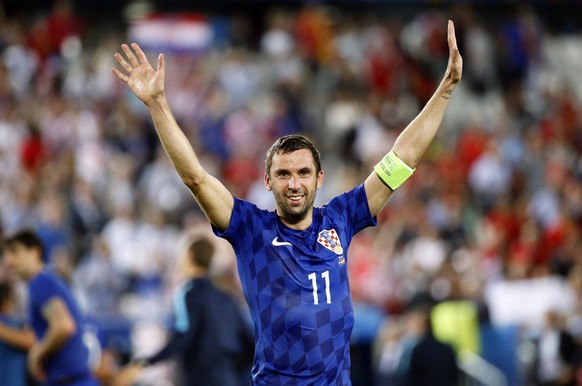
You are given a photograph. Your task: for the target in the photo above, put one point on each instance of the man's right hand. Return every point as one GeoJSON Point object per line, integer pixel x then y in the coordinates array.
{"type": "Point", "coordinates": [145, 82]}
{"type": "Point", "coordinates": [35, 363]}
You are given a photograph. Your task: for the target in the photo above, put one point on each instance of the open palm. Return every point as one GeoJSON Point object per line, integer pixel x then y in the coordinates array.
{"type": "Point", "coordinates": [145, 82]}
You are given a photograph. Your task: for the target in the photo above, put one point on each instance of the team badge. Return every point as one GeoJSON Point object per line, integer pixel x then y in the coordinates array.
{"type": "Point", "coordinates": [330, 240]}
{"type": "Point", "coordinates": [341, 260]}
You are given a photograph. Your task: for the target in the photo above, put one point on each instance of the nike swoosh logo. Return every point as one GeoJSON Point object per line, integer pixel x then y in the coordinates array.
{"type": "Point", "coordinates": [277, 243]}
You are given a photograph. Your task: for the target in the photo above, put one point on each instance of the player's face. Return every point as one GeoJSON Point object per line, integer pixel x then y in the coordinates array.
{"type": "Point", "coordinates": [17, 260]}
{"type": "Point", "coordinates": [294, 183]}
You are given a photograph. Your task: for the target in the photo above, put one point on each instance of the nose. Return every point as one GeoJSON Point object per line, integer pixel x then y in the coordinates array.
{"type": "Point", "coordinates": [293, 183]}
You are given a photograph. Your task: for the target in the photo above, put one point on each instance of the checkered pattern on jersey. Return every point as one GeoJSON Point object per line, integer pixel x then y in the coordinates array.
{"type": "Point", "coordinates": [298, 290]}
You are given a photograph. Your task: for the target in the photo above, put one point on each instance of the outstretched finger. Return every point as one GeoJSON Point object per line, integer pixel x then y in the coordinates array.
{"type": "Point", "coordinates": [452, 39]}
{"type": "Point", "coordinates": [123, 63]}
{"type": "Point", "coordinates": [161, 63]}
{"type": "Point", "coordinates": [120, 75]}
{"type": "Point", "coordinates": [455, 65]}
{"type": "Point", "coordinates": [140, 54]}
{"type": "Point", "coordinates": [130, 55]}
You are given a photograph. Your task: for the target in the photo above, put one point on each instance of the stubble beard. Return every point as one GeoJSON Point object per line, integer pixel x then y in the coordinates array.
{"type": "Point", "coordinates": [295, 214]}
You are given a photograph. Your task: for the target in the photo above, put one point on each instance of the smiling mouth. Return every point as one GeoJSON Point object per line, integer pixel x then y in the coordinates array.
{"type": "Point", "coordinates": [295, 198]}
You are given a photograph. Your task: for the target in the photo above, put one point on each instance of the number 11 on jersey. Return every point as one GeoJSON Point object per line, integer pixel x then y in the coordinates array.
{"type": "Point", "coordinates": [313, 277]}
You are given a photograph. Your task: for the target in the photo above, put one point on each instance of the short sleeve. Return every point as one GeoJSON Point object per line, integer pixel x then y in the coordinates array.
{"type": "Point", "coordinates": [246, 225]}
{"type": "Point", "coordinates": [42, 290]}
{"type": "Point", "coordinates": [352, 209]}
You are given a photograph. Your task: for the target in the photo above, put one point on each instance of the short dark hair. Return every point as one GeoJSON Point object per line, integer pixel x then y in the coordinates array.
{"type": "Point", "coordinates": [290, 143]}
{"type": "Point", "coordinates": [200, 252]}
{"type": "Point", "coordinates": [27, 238]}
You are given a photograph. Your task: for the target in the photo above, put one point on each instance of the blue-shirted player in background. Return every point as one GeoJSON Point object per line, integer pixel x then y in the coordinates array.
{"type": "Point", "coordinates": [293, 261]}
{"type": "Point", "coordinates": [15, 340]}
{"type": "Point", "coordinates": [59, 357]}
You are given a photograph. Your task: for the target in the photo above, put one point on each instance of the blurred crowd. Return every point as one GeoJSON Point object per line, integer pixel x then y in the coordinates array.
{"type": "Point", "coordinates": [492, 216]}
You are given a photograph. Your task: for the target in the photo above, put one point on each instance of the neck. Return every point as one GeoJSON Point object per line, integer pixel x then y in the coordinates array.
{"type": "Point", "coordinates": [299, 224]}
{"type": "Point", "coordinates": [194, 272]}
{"type": "Point", "coordinates": [33, 271]}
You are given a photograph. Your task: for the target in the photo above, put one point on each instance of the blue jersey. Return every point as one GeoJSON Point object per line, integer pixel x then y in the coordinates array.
{"type": "Point", "coordinates": [12, 360]}
{"type": "Point", "coordinates": [296, 285]}
{"type": "Point", "coordinates": [70, 362]}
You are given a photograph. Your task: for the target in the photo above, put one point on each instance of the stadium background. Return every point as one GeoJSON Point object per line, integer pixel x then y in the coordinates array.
{"type": "Point", "coordinates": [488, 228]}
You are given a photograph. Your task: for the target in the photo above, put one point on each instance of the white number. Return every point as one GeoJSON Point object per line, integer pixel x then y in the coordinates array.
{"type": "Point", "coordinates": [313, 278]}
{"type": "Point", "coordinates": [325, 275]}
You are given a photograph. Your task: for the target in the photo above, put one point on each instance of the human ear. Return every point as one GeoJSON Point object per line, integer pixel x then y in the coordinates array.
{"type": "Point", "coordinates": [320, 177]}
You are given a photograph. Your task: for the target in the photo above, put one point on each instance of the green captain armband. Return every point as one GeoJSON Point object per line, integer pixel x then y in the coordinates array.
{"type": "Point", "coordinates": [392, 170]}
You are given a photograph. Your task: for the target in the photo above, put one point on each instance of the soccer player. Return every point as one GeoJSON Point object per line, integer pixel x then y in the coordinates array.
{"type": "Point", "coordinates": [59, 356]}
{"type": "Point", "coordinates": [15, 340]}
{"type": "Point", "coordinates": [293, 261]}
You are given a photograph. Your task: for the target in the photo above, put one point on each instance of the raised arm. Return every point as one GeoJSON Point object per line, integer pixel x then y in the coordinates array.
{"type": "Point", "coordinates": [147, 84]}
{"type": "Point", "coordinates": [417, 136]}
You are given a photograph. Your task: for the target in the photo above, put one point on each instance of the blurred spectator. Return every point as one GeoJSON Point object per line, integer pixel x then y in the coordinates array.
{"type": "Point", "coordinates": [100, 285]}
{"type": "Point", "coordinates": [489, 177]}
{"type": "Point", "coordinates": [50, 33]}
{"type": "Point", "coordinates": [33, 152]}
{"type": "Point", "coordinates": [161, 187]}
{"type": "Point", "coordinates": [313, 32]}
{"type": "Point", "coordinates": [52, 226]}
